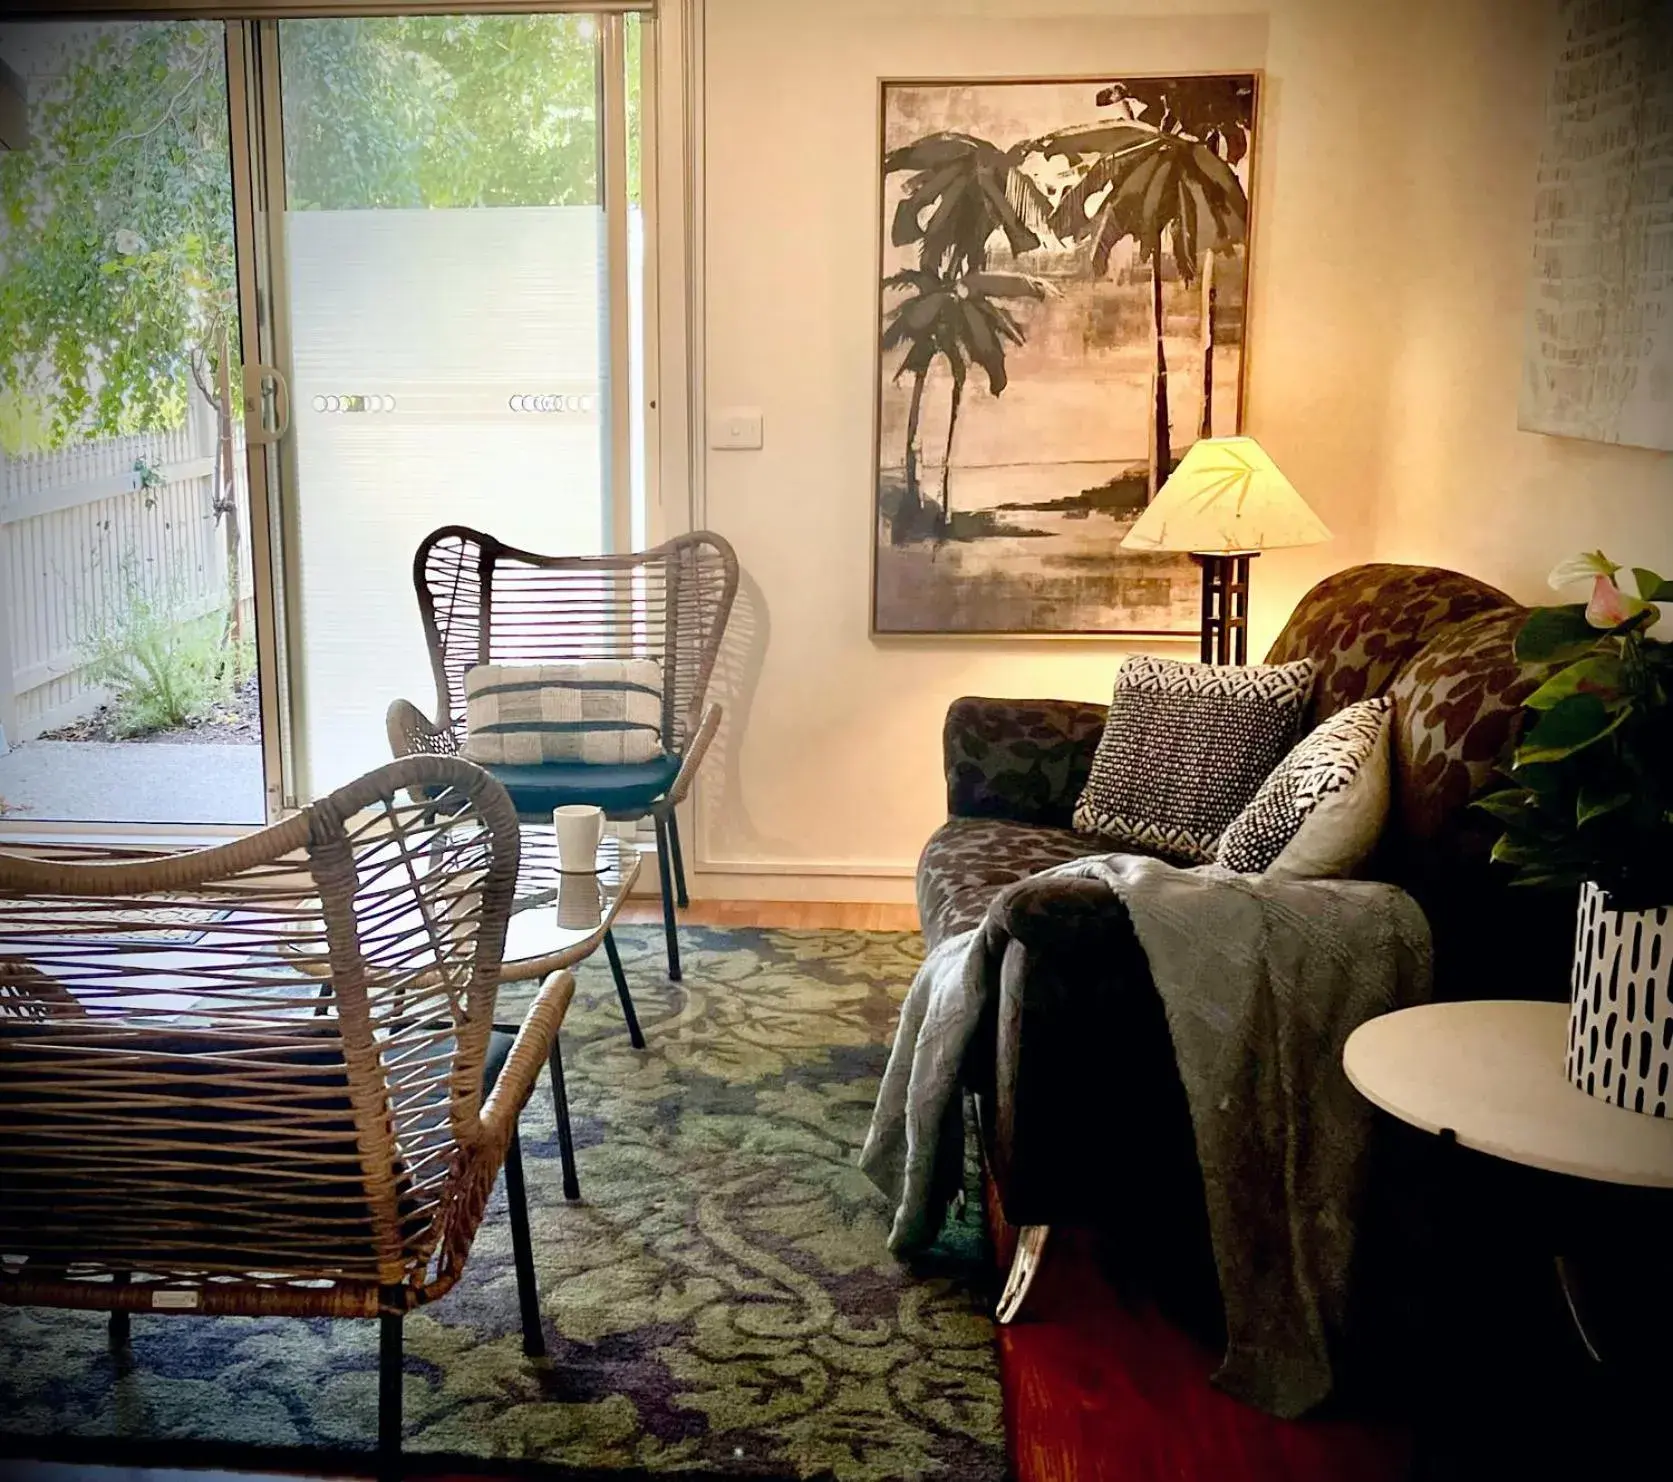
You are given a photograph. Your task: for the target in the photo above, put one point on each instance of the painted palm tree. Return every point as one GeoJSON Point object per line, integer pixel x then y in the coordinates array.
{"type": "Point", "coordinates": [962, 191]}
{"type": "Point", "coordinates": [1161, 183]}
{"type": "Point", "coordinates": [959, 320]}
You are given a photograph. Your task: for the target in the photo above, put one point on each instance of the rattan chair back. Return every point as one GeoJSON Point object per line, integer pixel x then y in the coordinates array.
{"type": "Point", "coordinates": [251, 1076]}
{"type": "Point", "coordinates": [483, 601]}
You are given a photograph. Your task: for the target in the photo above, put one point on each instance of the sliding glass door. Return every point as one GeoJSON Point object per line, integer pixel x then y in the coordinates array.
{"type": "Point", "coordinates": [128, 595]}
{"type": "Point", "coordinates": [277, 299]}
{"type": "Point", "coordinates": [450, 282]}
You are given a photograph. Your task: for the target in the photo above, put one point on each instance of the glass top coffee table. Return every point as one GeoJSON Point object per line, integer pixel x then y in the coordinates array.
{"type": "Point", "coordinates": [559, 920]}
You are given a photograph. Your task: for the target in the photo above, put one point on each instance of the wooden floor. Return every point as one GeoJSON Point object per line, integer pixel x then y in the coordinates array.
{"type": "Point", "coordinates": [1095, 1390]}
{"type": "Point", "coordinates": [1100, 1390]}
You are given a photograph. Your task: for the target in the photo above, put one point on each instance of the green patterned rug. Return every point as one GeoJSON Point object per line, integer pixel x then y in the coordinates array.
{"type": "Point", "coordinates": [720, 1301]}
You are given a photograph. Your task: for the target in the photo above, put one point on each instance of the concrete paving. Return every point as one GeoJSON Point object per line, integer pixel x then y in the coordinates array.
{"type": "Point", "coordinates": [132, 782]}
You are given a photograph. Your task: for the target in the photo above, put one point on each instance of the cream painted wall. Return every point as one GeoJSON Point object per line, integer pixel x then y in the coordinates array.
{"type": "Point", "coordinates": [1391, 240]}
{"type": "Point", "coordinates": [1460, 485]}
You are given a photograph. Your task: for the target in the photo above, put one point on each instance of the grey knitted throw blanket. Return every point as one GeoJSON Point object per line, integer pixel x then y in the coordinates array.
{"type": "Point", "coordinates": [1261, 982]}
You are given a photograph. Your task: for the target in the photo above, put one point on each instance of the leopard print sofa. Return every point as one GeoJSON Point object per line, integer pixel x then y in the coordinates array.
{"type": "Point", "coordinates": [1437, 642]}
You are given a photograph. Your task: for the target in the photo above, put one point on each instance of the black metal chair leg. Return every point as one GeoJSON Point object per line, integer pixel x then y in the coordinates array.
{"type": "Point", "coordinates": [679, 859]}
{"type": "Point", "coordinates": [566, 1139]}
{"type": "Point", "coordinates": [522, 1250]}
{"type": "Point", "coordinates": [389, 1391]}
{"type": "Point", "coordinates": [634, 1033]}
{"type": "Point", "coordinates": [668, 927]}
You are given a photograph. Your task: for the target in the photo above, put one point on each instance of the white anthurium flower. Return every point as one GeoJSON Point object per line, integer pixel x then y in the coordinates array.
{"type": "Point", "coordinates": [1586, 567]}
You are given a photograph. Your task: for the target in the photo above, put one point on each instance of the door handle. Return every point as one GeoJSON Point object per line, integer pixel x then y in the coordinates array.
{"type": "Point", "coordinates": [265, 387]}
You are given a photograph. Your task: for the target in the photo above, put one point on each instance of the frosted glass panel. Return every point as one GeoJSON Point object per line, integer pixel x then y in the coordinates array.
{"type": "Point", "coordinates": [445, 371]}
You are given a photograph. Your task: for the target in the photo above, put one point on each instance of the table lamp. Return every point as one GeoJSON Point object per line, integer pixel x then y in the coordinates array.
{"type": "Point", "coordinates": [1225, 503]}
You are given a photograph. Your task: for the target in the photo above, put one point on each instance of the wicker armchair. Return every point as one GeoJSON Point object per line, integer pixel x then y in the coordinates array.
{"type": "Point", "coordinates": [485, 602]}
{"type": "Point", "coordinates": [262, 1078]}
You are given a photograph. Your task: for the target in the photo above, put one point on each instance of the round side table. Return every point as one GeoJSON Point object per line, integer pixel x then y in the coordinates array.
{"type": "Point", "coordinates": [1490, 1072]}
{"type": "Point", "coordinates": [1488, 1075]}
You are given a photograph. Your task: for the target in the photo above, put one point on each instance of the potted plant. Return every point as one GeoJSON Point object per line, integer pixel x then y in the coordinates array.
{"type": "Point", "coordinates": [1590, 805]}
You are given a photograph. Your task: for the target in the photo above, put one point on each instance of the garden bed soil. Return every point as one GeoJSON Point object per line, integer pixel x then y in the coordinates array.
{"type": "Point", "coordinates": [229, 724]}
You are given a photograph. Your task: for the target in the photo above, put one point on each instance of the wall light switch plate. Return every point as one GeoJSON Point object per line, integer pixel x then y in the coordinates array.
{"type": "Point", "coordinates": [735, 427]}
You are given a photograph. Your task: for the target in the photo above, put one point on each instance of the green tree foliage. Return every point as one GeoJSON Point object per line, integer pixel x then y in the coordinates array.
{"type": "Point", "coordinates": [116, 265]}
{"type": "Point", "coordinates": [440, 111]}
{"type": "Point", "coordinates": [118, 231]}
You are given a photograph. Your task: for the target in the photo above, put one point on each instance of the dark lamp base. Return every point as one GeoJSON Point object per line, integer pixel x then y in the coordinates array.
{"type": "Point", "coordinates": [1225, 606]}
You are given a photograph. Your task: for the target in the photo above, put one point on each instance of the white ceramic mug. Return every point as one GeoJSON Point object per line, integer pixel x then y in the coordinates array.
{"type": "Point", "coordinates": [580, 827]}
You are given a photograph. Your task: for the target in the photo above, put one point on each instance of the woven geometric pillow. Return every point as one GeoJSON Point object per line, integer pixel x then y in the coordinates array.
{"type": "Point", "coordinates": [599, 710]}
{"type": "Point", "coordinates": [1320, 814]}
{"type": "Point", "coordinates": [1185, 748]}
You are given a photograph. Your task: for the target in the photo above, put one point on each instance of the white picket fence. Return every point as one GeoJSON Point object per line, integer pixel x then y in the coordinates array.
{"type": "Point", "coordinates": [73, 524]}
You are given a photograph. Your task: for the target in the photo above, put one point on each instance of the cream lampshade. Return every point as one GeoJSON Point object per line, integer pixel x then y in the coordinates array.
{"type": "Point", "coordinates": [1224, 503]}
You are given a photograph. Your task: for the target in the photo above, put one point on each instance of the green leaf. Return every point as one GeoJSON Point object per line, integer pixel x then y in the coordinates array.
{"type": "Point", "coordinates": [1569, 726]}
{"type": "Point", "coordinates": [1652, 587]}
{"type": "Point", "coordinates": [1598, 674]}
{"type": "Point", "coordinates": [1518, 852]}
{"type": "Point", "coordinates": [1598, 802]}
{"type": "Point", "coordinates": [1553, 635]}
{"type": "Point", "coordinates": [1549, 879]}
{"type": "Point", "coordinates": [1512, 806]}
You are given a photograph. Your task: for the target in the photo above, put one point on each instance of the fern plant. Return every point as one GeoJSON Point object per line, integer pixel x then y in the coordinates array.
{"type": "Point", "coordinates": [163, 668]}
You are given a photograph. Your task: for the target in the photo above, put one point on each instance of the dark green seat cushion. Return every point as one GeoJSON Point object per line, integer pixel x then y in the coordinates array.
{"type": "Point", "coordinates": [624, 788]}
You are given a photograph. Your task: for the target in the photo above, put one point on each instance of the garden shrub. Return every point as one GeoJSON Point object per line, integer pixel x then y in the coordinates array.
{"type": "Point", "coordinates": [163, 668]}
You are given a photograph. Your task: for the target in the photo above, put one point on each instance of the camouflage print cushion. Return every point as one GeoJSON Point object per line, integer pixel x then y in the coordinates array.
{"type": "Point", "coordinates": [1361, 625]}
{"type": "Point", "coordinates": [969, 860]}
{"type": "Point", "coordinates": [1025, 760]}
{"type": "Point", "coordinates": [1458, 709]}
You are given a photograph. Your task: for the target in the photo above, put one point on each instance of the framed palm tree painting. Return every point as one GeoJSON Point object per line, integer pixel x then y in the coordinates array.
{"type": "Point", "coordinates": [1064, 270]}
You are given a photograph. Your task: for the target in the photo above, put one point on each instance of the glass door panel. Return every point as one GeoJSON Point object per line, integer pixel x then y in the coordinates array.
{"type": "Point", "coordinates": [128, 686]}
{"type": "Point", "coordinates": [444, 293]}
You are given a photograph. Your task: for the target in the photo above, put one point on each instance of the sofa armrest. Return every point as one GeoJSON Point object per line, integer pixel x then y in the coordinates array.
{"type": "Point", "coordinates": [1084, 1119]}
{"type": "Point", "coordinates": [1026, 760]}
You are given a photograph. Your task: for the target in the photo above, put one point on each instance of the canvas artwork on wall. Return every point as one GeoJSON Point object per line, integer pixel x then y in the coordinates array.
{"type": "Point", "coordinates": [1064, 274]}
{"type": "Point", "coordinates": [1599, 357]}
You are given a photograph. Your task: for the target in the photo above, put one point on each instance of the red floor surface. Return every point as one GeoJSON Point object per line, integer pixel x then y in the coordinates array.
{"type": "Point", "coordinates": [1097, 1391]}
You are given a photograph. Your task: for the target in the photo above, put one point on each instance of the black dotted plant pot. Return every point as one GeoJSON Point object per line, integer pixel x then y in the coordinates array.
{"type": "Point", "coordinates": [1620, 1023]}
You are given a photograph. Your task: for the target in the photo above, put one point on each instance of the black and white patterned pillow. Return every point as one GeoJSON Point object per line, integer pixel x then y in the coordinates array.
{"type": "Point", "coordinates": [1185, 747]}
{"type": "Point", "coordinates": [1321, 812]}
